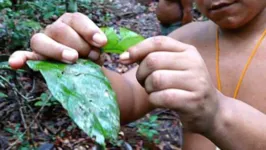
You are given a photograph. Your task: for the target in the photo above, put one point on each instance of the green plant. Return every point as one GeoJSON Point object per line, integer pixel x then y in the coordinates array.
{"type": "Point", "coordinates": [71, 6]}
{"type": "Point", "coordinates": [48, 8]}
{"type": "Point", "coordinates": [18, 135]}
{"type": "Point", "coordinates": [19, 31]}
{"type": "Point", "coordinates": [85, 92]}
{"type": "Point", "coordinates": [3, 95]}
{"type": "Point", "coordinates": [46, 100]}
{"type": "Point", "coordinates": [5, 4]}
{"type": "Point", "coordinates": [148, 128]}
{"type": "Point", "coordinates": [19, 24]}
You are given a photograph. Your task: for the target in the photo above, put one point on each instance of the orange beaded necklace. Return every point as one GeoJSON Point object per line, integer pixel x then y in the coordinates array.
{"type": "Point", "coordinates": [219, 84]}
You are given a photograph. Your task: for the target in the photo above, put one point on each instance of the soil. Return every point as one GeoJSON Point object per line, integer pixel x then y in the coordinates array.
{"type": "Point", "coordinates": [22, 124]}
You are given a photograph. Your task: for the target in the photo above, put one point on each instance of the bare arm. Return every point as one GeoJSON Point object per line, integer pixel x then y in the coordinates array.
{"type": "Point", "coordinates": [238, 126]}
{"type": "Point", "coordinates": [132, 98]}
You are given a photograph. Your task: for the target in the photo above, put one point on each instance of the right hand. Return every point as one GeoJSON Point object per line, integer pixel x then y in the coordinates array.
{"type": "Point", "coordinates": [72, 36]}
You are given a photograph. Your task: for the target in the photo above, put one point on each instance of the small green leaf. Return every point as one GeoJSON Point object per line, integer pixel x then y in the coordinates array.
{"type": "Point", "coordinates": [118, 43]}
{"type": "Point", "coordinates": [2, 95]}
{"type": "Point", "coordinates": [44, 97]}
{"type": "Point", "coordinates": [4, 65]}
{"type": "Point", "coordinates": [31, 24]}
{"type": "Point", "coordinates": [85, 93]}
{"type": "Point", "coordinates": [4, 62]}
{"type": "Point", "coordinates": [42, 103]}
{"type": "Point", "coordinates": [153, 118]}
{"type": "Point", "coordinates": [48, 15]}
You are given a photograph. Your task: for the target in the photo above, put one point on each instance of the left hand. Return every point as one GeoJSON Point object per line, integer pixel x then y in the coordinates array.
{"type": "Point", "coordinates": [176, 77]}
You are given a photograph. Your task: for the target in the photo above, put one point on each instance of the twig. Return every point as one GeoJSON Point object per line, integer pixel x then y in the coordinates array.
{"type": "Point", "coordinates": [20, 109]}
{"type": "Point", "coordinates": [14, 88]}
{"type": "Point", "coordinates": [23, 118]}
{"type": "Point", "coordinates": [33, 87]}
{"type": "Point", "coordinates": [35, 118]}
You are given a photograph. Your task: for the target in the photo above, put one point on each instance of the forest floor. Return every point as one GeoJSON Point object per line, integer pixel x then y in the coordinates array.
{"type": "Point", "coordinates": [23, 125]}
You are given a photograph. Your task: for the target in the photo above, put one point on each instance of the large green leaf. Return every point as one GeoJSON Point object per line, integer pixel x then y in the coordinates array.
{"type": "Point", "coordinates": [121, 41]}
{"type": "Point", "coordinates": [85, 93]}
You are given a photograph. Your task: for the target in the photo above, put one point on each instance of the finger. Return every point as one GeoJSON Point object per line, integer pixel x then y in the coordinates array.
{"type": "Point", "coordinates": [171, 98]}
{"type": "Point", "coordinates": [94, 54]}
{"type": "Point", "coordinates": [167, 79]}
{"type": "Point", "coordinates": [18, 59]}
{"type": "Point", "coordinates": [44, 45]}
{"type": "Point", "coordinates": [85, 28]}
{"type": "Point", "coordinates": [163, 61]}
{"type": "Point", "coordinates": [159, 43]}
{"type": "Point", "coordinates": [64, 34]}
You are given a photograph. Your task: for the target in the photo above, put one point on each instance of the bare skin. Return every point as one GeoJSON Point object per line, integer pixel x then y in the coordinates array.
{"type": "Point", "coordinates": [202, 36]}
{"type": "Point", "coordinates": [230, 124]}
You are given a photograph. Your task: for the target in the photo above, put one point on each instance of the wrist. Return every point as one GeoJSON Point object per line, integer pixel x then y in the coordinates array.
{"type": "Point", "coordinates": [222, 118]}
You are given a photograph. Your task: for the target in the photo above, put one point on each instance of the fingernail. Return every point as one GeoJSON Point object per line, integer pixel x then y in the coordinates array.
{"type": "Point", "coordinates": [124, 56]}
{"type": "Point", "coordinates": [94, 55]}
{"type": "Point", "coordinates": [99, 38]}
{"type": "Point", "coordinates": [69, 55]}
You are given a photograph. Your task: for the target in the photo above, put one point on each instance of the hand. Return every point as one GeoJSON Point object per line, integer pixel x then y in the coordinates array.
{"type": "Point", "coordinates": [175, 76]}
{"type": "Point", "coordinates": [71, 36]}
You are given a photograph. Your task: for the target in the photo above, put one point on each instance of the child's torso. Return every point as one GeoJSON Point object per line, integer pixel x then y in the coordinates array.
{"type": "Point", "coordinates": [233, 58]}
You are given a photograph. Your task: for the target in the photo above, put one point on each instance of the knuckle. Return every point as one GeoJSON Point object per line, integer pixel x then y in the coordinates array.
{"type": "Point", "coordinates": [168, 98]}
{"type": "Point", "coordinates": [151, 61]}
{"type": "Point", "coordinates": [47, 28]}
{"type": "Point", "coordinates": [156, 80]}
{"type": "Point", "coordinates": [158, 41]}
{"type": "Point", "coordinates": [66, 15]}
{"type": "Point", "coordinates": [198, 102]}
{"type": "Point", "coordinates": [57, 30]}
{"type": "Point", "coordinates": [35, 40]}
{"type": "Point", "coordinates": [202, 89]}
{"type": "Point", "coordinates": [196, 96]}
{"type": "Point", "coordinates": [77, 14]}
{"type": "Point", "coordinates": [68, 18]}
{"type": "Point", "coordinates": [203, 83]}
{"type": "Point", "coordinates": [58, 26]}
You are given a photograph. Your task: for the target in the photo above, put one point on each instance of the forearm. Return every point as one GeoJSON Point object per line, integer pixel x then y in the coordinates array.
{"type": "Point", "coordinates": [238, 126]}
{"type": "Point", "coordinates": [132, 98]}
